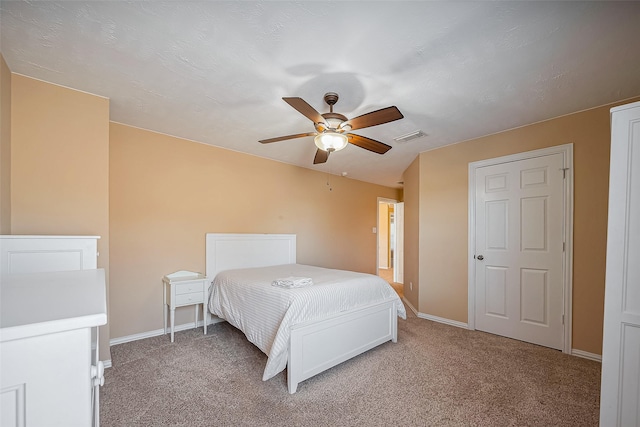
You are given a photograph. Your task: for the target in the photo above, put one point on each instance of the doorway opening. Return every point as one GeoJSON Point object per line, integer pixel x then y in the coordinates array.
{"type": "Point", "coordinates": [390, 243]}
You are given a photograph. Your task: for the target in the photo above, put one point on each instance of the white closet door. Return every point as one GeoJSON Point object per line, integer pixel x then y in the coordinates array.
{"type": "Point", "coordinates": [519, 250]}
{"type": "Point", "coordinates": [620, 391]}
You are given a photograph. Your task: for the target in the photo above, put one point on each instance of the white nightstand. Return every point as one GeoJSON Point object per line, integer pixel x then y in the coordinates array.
{"type": "Point", "coordinates": [184, 288]}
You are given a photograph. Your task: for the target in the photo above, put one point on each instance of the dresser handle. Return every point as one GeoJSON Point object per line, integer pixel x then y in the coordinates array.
{"type": "Point", "coordinates": [97, 374]}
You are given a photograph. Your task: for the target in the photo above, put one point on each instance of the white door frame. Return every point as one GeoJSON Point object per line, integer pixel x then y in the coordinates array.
{"type": "Point", "coordinates": [380, 200]}
{"type": "Point", "coordinates": [398, 257]}
{"type": "Point", "coordinates": [567, 262]}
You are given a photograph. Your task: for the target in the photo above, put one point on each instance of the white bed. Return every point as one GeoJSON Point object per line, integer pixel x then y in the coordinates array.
{"type": "Point", "coordinates": [308, 329]}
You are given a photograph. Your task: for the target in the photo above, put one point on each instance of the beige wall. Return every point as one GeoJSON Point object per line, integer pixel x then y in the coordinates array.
{"type": "Point", "coordinates": [166, 193]}
{"type": "Point", "coordinates": [60, 165]}
{"type": "Point", "coordinates": [5, 148]}
{"type": "Point", "coordinates": [443, 217]}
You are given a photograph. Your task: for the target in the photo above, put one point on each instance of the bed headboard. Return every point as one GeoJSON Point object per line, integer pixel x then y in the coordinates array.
{"type": "Point", "coordinates": [230, 251]}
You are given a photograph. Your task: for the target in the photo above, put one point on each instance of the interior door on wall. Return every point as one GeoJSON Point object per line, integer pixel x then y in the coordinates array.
{"type": "Point", "coordinates": [519, 250]}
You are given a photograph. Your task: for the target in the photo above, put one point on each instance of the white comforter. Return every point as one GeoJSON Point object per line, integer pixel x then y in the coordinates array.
{"type": "Point", "coordinates": [265, 313]}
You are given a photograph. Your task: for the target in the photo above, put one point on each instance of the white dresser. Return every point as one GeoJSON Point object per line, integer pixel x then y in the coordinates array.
{"type": "Point", "coordinates": [48, 344]}
{"type": "Point", "coordinates": [52, 300]}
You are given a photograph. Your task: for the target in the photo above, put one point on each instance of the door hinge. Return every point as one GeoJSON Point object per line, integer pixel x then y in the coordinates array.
{"type": "Point", "coordinates": [564, 172]}
{"type": "Point", "coordinates": [563, 319]}
{"type": "Point", "coordinates": [563, 246]}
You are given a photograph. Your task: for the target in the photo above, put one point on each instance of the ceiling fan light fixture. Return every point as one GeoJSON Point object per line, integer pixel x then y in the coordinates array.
{"type": "Point", "coordinates": [331, 141]}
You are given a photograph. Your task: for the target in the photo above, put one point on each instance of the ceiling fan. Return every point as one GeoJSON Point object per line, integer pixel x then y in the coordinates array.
{"type": "Point", "coordinates": [333, 129]}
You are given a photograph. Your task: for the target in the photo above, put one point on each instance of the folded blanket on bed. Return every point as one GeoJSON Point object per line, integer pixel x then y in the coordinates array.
{"type": "Point", "coordinates": [292, 282]}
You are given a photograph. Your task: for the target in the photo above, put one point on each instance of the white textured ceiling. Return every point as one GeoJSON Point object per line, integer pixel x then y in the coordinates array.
{"type": "Point", "coordinates": [215, 72]}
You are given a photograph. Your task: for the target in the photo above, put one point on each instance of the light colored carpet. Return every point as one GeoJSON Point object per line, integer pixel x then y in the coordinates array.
{"type": "Point", "coordinates": [436, 375]}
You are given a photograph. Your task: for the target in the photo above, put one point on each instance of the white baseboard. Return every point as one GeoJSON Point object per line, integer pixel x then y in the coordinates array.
{"type": "Point", "coordinates": [443, 320]}
{"type": "Point", "coordinates": [435, 318]}
{"type": "Point", "coordinates": [586, 355]}
{"type": "Point", "coordinates": [574, 352]}
{"type": "Point", "coordinates": [158, 332]}
{"type": "Point", "coordinates": [106, 363]}
{"type": "Point", "coordinates": [411, 307]}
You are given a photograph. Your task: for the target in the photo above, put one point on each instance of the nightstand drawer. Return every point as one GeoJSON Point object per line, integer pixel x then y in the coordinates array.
{"type": "Point", "coordinates": [187, 288]}
{"type": "Point", "coordinates": [192, 298]}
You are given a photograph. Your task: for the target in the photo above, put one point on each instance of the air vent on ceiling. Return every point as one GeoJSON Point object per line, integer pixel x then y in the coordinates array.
{"type": "Point", "coordinates": [408, 137]}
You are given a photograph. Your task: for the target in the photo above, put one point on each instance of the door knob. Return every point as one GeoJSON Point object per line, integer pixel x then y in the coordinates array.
{"type": "Point", "coordinates": [480, 257]}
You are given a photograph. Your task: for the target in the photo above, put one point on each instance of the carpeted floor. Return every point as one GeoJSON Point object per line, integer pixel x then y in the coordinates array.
{"type": "Point", "coordinates": [436, 375]}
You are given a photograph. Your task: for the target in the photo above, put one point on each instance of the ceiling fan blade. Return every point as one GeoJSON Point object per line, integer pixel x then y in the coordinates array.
{"type": "Point", "coordinates": [282, 138]}
{"type": "Point", "coordinates": [374, 118]}
{"type": "Point", "coordinates": [368, 143]}
{"type": "Point", "coordinates": [305, 109]}
{"type": "Point", "coordinates": [320, 157]}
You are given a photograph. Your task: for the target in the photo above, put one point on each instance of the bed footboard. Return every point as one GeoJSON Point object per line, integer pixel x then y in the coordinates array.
{"type": "Point", "coordinates": [317, 346]}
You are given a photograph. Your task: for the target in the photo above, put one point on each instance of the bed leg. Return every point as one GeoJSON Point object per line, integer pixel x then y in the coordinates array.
{"type": "Point", "coordinates": [292, 383]}
{"type": "Point", "coordinates": [292, 386]}
{"type": "Point", "coordinates": [394, 323]}
{"type": "Point", "coordinates": [394, 332]}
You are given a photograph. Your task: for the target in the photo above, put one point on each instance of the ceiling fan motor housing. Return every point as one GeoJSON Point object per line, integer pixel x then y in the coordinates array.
{"type": "Point", "coordinates": [334, 120]}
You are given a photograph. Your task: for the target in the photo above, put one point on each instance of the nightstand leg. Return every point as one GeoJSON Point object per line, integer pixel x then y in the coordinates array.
{"type": "Point", "coordinates": [172, 317]}
{"type": "Point", "coordinates": [165, 307]}
{"type": "Point", "coordinates": [196, 305]}
{"type": "Point", "coordinates": [164, 311]}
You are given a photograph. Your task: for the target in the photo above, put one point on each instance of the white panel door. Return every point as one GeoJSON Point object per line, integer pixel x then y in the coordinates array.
{"type": "Point", "coordinates": [519, 250]}
{"type": "Point", "coordinates": [620, 391]}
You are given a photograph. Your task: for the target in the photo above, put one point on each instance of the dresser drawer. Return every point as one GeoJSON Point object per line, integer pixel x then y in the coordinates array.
{"type": "Point", "coordinates": [189, 287]}
{"type": "Point", "coordinates": [192, 298]}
